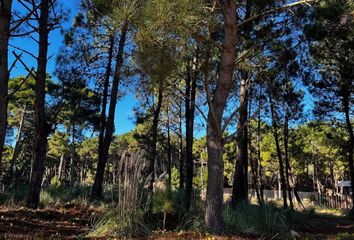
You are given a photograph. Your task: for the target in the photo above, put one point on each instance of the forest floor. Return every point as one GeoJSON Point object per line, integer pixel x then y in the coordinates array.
{"type": "Point", "coordinates": [72, 222]}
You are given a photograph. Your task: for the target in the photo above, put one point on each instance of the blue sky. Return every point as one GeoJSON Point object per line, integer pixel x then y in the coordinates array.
{"type": "Point", "coordinates": [124, 113]}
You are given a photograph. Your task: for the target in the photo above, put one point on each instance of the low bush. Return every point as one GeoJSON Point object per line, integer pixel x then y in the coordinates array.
{"type": "Point", "coordinates": [266, 219]}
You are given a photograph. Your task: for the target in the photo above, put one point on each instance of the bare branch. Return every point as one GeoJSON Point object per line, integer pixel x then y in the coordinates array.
{"type": "Point", "coordinates": [24, 19]}
{"type": "Point", "coordinates": [239, 131]}
{"type": "Point", "coordinates": [30, 71]}
{"type": "Point", "coordinates": [14, 63]}
{"type": "Point", "coordinates": [23, 50]}
{"type": "Point", "coordinates": [275, 10]}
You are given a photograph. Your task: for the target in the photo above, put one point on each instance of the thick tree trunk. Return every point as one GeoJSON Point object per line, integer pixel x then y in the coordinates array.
{"type": "Point", "coordinates": [10, 172]}
{"type": "Point", "coordinates": [154, 132]}
{"type": "Point", "coordinates": [278, 150]}
{"type": "Point", "coordinates": [240, 182]}
{"type": "Point", "coordinates": [41, 128]}
{"type": "Point", "coordinates": [346, 106]}
{"type": "Point", "coordinates": [215, 184]}
{"type": "Point", "coordinates": [5, 18]}
{"type": "Point", "coordinates": [97, 188]}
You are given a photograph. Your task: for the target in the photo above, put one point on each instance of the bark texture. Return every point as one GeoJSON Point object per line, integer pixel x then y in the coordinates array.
{"type": "Point", "coordinates": [214, 196]}
{"type": "Point", "coordinates": [41, 128]}
{"type": "Point", "coordinates": [5, 18]}
{"type": "Point", "coordinates": [240, 182]}
{"type": "Point", "coordinates": [155, 124]}
{"type": "Point", "coordinates": [191, 90]}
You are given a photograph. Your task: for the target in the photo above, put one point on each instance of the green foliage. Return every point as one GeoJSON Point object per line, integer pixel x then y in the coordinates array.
{"type": "Point", "coordinates": [168, 202]}
{"type": "Point", "coordinates": [175, 178]}
{"type": "Point", "coordinates": [344, 236]}
{"type": "Point", "coordinates": [266, 219]}
{"type": "Point", "coordinates": [111, 225]}
{"type": "Point", "coordinates": [55, 182]}
{"type": "Point", "coordinates": [58, 194]}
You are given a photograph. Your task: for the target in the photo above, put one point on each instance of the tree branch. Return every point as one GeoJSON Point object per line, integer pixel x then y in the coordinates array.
{"type": "Point", "coordinates": [271, 11]}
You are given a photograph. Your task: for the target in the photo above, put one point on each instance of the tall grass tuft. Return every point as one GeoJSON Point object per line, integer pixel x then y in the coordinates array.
{"type": "Point", "coordinates": [126, 217]}
{"type": "Point", "coordinates": [266, 219]}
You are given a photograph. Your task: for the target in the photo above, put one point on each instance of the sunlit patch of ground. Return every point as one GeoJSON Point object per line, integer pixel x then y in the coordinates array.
{"type": "Point", "coordinates": [64, 223]}
{"type": "Point", "coordinates": [75, 222]}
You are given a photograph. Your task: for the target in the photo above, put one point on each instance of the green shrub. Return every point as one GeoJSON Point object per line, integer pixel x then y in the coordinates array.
{"type": "Point", "coordinates": [345, 236]}
{"type": "Point", "coordinates": [266, 219]}
{"type": "Point", "coordinates": [166, 202]}
{"type": "Point", "coordinates": [55, 182]}
{"type": "Point", "coordinates": [112, 225]}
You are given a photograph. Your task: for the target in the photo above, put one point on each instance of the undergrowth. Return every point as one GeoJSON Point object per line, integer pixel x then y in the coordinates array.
{"type": "Point", "coordinates": [266, 219]}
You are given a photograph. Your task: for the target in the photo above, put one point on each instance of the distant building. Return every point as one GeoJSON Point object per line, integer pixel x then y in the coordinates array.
{"type": "Point", "coordinates": [344, 187]}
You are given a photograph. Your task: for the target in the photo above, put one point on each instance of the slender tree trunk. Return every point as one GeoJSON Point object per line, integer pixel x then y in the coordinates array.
{"type": "Point", "coordinates": [169, 152]}
{"type": "Point", "coordinates": [105, 98]}
{"type": "Point", "coordinates": [254, 170]}
{"type": "Point", "coordinates": [215, 184]}
{"type": "Point", "coordinates": [277, 144]}
{"type": "Point", "coordinates": [61, 165]}
{"type": "Point", "coordinates": [240, 182]}
{"type": "Point", "coordinates": [191, 90]}
{"type": "Point", "coordinates": [10, 172]}
{"type": "Point", "coordinates": [260, 167]}
{"type": "Point", "coordinates": [97, 188]}
{"type": "Point", "coordinates": [154, 132]}
{"type": "Point", "coordinates": [181, 155]}
{"type": "Point", "coordinates": [253, 161]}
{"type": "Point", "coordinates": [346, 106]}
{"type": "Point", "coordinates": [287, 163]}
{"type": "Point", "coordinates": [5, 18]}
{"type": "Point", "coordinates": [41, 128]}
{"type": "Point", "coordinates": [72, 176]}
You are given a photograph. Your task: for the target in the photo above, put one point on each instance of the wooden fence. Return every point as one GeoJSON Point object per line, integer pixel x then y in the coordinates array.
{"type": "Point", "coordinates": [334, 201]}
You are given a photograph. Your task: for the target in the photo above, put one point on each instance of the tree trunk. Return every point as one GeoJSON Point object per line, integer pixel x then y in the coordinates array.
{"type": "Point", "coordinates": [277, 144]}
{"type": "Point", "coordinates": [191, 90]}
{"type": "Point", "coordinates": [61, 165]}
{"type": "Point", "coordinates": [41, 128]}
{"type": "Point", "coordinates": [181, 157]}
{"type": "Point", "coordinates": [346, 107]}
{"type": "Point", "coordinates": [72, 176]}
{"type": "Point", "coordinates": [287, 163]}
{"type": "Point", "coordinates": [17, 148]}
{"type": "Point", "coordinates": [97, 188]}
{"type": "Point", "coordinates": [5, 18]}
{"type": "Point", "coordinates": [260, 168]}
{"type": "Point", "coordinates": [169, 153]}
{"type": "Point", "coordinates": [240, 182]}
{"type": "Point", "coordinates": [105, 98]}
{"type": "Point", "coordinates": [214, 195]}
{"type": "Point", "coordinates": [154, 132]}
{"type": "Point", "coordinates": [253, 161]}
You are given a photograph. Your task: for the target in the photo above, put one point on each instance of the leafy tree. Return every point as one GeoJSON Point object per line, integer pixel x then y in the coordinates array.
{"type": "Point", "coordinates": [331, 42]}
